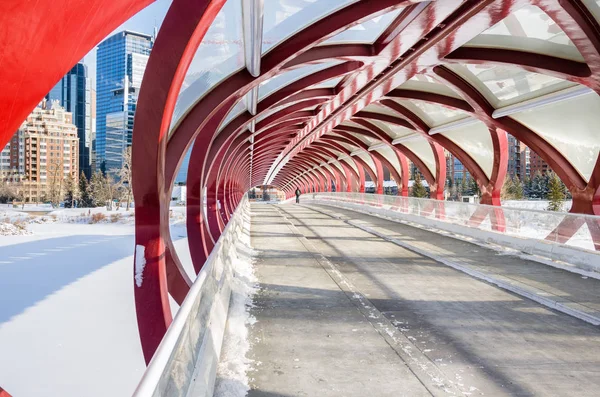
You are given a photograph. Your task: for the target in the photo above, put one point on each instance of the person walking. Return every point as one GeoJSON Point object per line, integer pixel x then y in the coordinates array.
{"type": "Point", "coordinates": [298, 195]}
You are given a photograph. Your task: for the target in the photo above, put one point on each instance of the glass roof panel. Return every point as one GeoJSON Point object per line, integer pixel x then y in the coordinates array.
{"type": "Point", "coordinates": [422, 149]}
{"type": "Point", "coordinates": [285, 78]}
{"type": "Point", "coordinates": [366, 32]}
{"type": "Point", "coordinates": [329, 83]}
{"type": "Point", "coordinates": [364, 156]}
{"type": "Point", "coordinates": [236, 111]}
{"type": "Point", "coordinates": [283, 18]}
{"type": "Point", "coordinates": [594, 7]}
{"type": "Point", "coordinates": [220, 54]}
{"type": "Point", "coordinates": [425, 83]}
{"type": "Point", "coordinates": [571, 127]}
{"type": "Point", "coordinates": [393, 130]}
{"type": "Point", "coordinates": [528, 29]}
{"type": "Point", "coordinates": [510, 85]}
{"type": "Point", "coordinates": [475, 139]}
{"type": "Point", "coordinates": [432, 114]}
{"type": "Point", "coordinates": [390, 156]}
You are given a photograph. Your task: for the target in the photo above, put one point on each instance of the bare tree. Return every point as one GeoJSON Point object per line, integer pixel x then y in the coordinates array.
{"type": "Point", "coordinates": [125, 175]}
{"type": "Point", "coordinates": [111, 190]}
{"type": "Point", "coordinates": [55, 177]}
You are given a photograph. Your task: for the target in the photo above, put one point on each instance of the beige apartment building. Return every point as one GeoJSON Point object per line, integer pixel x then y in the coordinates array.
{"type": "Point", "coordinates": [48, 153]}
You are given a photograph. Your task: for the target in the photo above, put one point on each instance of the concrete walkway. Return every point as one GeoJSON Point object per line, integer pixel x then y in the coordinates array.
{"type": "Point", "coordinates": [343, 312]}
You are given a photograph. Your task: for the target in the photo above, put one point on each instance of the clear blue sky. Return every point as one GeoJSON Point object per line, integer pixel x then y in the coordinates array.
{"type": "Point", "coordinates": [142, 22]}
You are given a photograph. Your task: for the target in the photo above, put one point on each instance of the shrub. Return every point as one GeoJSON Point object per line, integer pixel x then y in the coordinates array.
{"type": "Point", "coordinates": [98, 217]}
{"type": "Point", "coordinates": [115, 218]}
{"type": "Point", "coordinates": [20, 224]}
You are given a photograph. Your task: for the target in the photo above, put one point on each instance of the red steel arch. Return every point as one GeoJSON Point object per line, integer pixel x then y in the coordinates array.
{"type": "Point", "coordinates": [298, 131]}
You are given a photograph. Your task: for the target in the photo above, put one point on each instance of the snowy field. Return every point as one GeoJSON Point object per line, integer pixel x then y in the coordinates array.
{"type": "Point", "coordinates": [540, 205]}
{"type": "Point", "coordinates": [67, 316]}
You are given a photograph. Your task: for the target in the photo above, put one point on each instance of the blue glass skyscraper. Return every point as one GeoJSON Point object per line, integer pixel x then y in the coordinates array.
{"type": "Point", "coordinates": [73, 92]}
{"type": "Point", "coordinates": [121, 62]}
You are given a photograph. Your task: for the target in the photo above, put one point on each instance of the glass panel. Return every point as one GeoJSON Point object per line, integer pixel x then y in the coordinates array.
{"type": "Point", "coordinates": [571, 127]}
{"type": "Point", "coordinates": [390, 156]}
{"type": "Point", "coordinates": [285, 78]}
{"type": "Point", "coordinates": [510, 85]}
{"type": "Point", "coordinates": [475, 139]}
{"type": "Point", "coordinates": [425, 83]}
{"type": "Point", "coordinates": [529, 29]}
{"type": "Point", "coordinates": [522, 223]}
{"type": "Point", "coordinates": [329, 83]}
{"type": "Point", "coordinates": [422, 149]}
{"type": "Point", "coordinates": [393, 130]}
{"type": "Point", "coordinates": [432, 114]}
{"type": "Point", "coordinates": [349, 148]}
{"type": "Point", "coordinates": [594, 7]}
{"type": "Point", "coordinates": [367, 140]}
{"type": "Point", "coordinates": [283, 18]}
{"type": "Point", "coordinates": [366, 157]}
{"type": "Point", "coordinates": [238, 109]}
{"type": "Point", "coordinates": [220, 54]}
{"type": "Point", "coordinates": [366, 32]}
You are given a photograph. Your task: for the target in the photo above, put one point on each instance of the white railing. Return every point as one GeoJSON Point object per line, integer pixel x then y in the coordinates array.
{"type": "Point", "coordinates": [550, 230]}
{"type": "Point", "coordinates": [187, 357]}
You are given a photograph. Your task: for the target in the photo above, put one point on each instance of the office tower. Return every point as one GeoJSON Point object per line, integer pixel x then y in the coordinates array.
{"type": "Point", "coordinates": [121, 62]}
{"type": "Point", "coordinates": [93, 132]}
{"type": "Point", "coordinates": [181, 177]}
{"type": "Point", "coordinates": [73, 93]}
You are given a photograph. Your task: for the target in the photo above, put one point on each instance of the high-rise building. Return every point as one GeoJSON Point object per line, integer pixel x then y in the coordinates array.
{"type": "Point", "coordinates": [536, 164]}
{"type": "Point", "coordinates": [514, 167]}
{"type": "Point", "coordinates": [93, 133]}
{"type": "Point", "coordinates": [43, 153]}
{"type": "Point", "coordinates": [73, 93]}
{"type": "Point", "coordinates": [121, 62]}
{"type": "Point", "coordinates": [12, 160]}
{"type": "Point", "coordinates": [181, 177]}
{"type": "Point", "coordinates": [522, 161]}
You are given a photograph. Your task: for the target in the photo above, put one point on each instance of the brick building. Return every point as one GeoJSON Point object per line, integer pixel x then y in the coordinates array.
{"type": "Point", "coordinates": [43, 154]}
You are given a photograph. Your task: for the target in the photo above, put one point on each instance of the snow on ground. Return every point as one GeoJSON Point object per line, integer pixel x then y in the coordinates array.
{"type": "Point", "coordinates": [67, 314]}
{"type": "Point", "coordinates": [540, 205]}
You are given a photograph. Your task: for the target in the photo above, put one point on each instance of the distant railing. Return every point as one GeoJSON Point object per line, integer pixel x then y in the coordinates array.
{"type": "Point", "coordinates": [565, 229]}
{"type": "Point", "coordinates": [186, 359]}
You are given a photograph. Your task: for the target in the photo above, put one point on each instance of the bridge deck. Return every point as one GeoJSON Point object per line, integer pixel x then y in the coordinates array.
{"type": "Point", "coordinates": [342, 312]}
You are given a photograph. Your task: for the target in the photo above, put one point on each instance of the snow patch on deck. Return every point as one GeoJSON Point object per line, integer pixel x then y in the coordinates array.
{"type": "Point", "coordinates": [232, 371]}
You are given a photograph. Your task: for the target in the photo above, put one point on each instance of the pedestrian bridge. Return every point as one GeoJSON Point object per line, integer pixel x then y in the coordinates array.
{"type": "Point", "coordinates": [357, 295]}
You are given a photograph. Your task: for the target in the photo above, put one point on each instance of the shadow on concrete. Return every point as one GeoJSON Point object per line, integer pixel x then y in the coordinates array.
{"type": "Point", "coordinates": [497, 336]}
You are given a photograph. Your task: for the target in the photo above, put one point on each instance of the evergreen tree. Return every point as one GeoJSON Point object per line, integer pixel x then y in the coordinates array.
{"type": "Point", "coordinates": [418, 190]}
{"type": "Point", "coordinates": [527, 186]}
{"type": "Point", "coordinates": [544, 184]}
{"type": "Point", "coordinates": [98, 189]}
{"type": "Point", "coordinates": [85, 200]}
{"type": "Point", "coordinates": [463, 187]}
{"type": "Point", "coordinates": [72, 192]}
{"type": "Point", "coordinates": [518, 190]}
{"type": "Point", "coordinates": [556, 193]}
{"type": "Point", "coordinates": [474, 187]}
{"type": "Point", "coordinates": [537, 190]}
{"type": "Point", "coordinates": [508, 188]}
